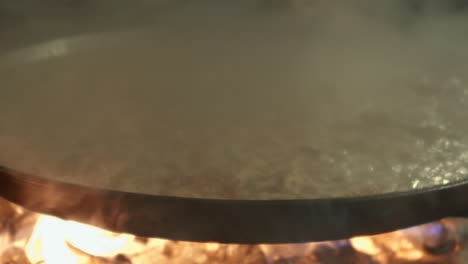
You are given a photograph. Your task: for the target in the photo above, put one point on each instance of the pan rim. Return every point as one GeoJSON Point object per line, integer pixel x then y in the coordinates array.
{"type": "Point", "coordinates": [234, 221]}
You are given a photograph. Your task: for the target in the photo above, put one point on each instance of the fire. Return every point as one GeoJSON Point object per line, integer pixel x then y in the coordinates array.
{"type": "Point", "coordinates": [365, 245]}
{"type": "Point", "coordinates": [399, 243]}
{"type": "Point", "coordinates": [47, 243]}
{"type": "Point", "coordinates": [403, 247]}
{"type": "Point", "coordinates": [50, 240]}
{"type": "Point", "coordinates": [55, 241]}
{"type": "Point", "coordinates": [212, 246]}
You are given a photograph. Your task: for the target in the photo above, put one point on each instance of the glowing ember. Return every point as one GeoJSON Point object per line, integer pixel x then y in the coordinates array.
{"type": "Point", "coordinates": [212, 246]}
{"type": "Point", "coordinates": [403, 247]}
{"type": "Point", "coordinates": [365, 245]}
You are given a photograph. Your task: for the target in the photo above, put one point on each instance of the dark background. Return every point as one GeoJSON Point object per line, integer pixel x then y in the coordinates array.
{"type": "Point", "coordinates": [23, 22]}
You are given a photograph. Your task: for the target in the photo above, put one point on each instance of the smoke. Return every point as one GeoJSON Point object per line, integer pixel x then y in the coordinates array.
{"type": "Point", "coordinates": [376, 43]}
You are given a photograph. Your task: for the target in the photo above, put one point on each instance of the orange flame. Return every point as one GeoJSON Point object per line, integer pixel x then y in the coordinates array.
{"type": "Point", "coordinates": [365, 245]}
{"type": "Point", "coordinates": [56, 241]}
{"type": "Point", "coordinates": [53, 239]}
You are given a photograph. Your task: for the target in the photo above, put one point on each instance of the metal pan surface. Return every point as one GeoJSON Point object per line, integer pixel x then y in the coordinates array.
{"type": "Point", "coordinates": [243, 117]}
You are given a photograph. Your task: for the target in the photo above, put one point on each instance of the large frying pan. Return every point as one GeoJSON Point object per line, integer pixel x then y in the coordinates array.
{"type": "Point", "coordinates": [220, 125]}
